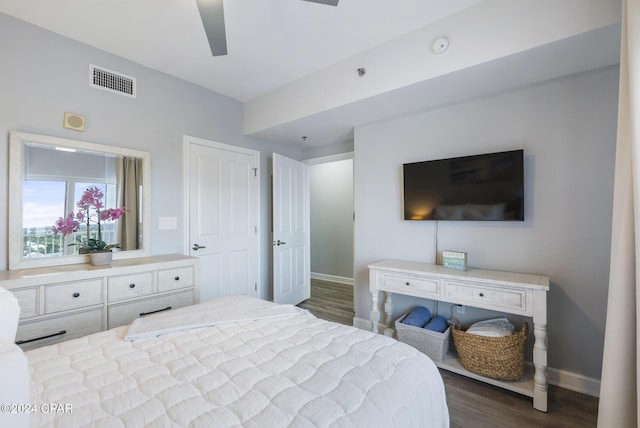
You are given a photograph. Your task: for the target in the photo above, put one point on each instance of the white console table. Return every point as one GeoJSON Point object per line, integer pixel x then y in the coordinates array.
{"type": "Point", "coordinates": [507, 292]}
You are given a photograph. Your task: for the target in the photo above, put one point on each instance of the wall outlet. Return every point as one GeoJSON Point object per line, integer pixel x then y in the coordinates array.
{"type": "Point", "coordinates": [460, 309]}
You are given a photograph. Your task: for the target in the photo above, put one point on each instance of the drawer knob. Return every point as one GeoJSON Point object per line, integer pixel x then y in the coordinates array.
{"type": "Point", "coordinates": [76, 294]}
{"type": "Point", "coordinates": [132, 286]}
{"type": "Point", "coordinates": [177, 278]}
{"type": "Point", "coordinates": [481, 294]}
{"type": "Point", "coordinates": [407, 283]}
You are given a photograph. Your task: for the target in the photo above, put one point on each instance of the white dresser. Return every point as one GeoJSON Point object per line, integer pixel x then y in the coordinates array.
{"type": "Point", "coordinates": [507, 292]}
{"type": "Point", "coordinates": [61, 303]}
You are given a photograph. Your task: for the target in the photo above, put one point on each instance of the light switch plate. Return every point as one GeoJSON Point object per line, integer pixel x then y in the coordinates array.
{"type": "Point", "coordinates": [167, 223]}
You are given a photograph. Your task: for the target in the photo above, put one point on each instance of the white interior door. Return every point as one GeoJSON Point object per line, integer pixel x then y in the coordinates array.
{"type": "Point", "coordinates": [223, 218]}
{"type": "Point", "coordinates": [291, 256]}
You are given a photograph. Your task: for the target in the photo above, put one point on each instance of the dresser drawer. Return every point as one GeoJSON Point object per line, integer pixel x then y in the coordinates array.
{"type": "Point", "coordinates": [28, 300]}
{"type": "Point", "coordinates": [53, 330]}
{"type": "Point", "coordinates": [129, 286]}
{"type": "Point", "coordinates": [426, 286]}
{"type": "Point", "coordinates": [173, 279]}
{"type": "Point", "coordinates": [487, 297]}
{"type": "Point", "coordinates": [72, 295]}
{"type": "Point", "coordinates": [125, 313]}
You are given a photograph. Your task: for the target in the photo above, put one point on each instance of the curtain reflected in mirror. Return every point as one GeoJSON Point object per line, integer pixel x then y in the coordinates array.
{"type": "Point", "coordinates": [129, 193]}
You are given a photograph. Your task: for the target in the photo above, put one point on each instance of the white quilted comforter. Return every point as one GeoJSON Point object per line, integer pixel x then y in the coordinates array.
{"type": "Point", "coordinates": [274, 372]}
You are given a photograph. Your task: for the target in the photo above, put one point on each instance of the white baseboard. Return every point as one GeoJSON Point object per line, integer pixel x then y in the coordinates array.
{"type": "Point", "coordinates": [574, 382]}
{"type": "Point", "coordinates": [362, 324]}
{"type": "Point", "coordinates": [562, 378]}
{"type": "Point", "coordinates": [332, 278]}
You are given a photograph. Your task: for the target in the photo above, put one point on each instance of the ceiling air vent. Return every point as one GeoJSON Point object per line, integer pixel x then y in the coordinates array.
{"type": "Point", "coordinates": [112, 81]}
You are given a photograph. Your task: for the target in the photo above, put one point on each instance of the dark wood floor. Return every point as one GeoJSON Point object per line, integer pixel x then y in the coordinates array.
{"type": "Point", "coordinates": [478, 405]}
{"type": "Point", "coordinates": [330, 301]}
{"type": "Point", "coordinates": [472, 403]}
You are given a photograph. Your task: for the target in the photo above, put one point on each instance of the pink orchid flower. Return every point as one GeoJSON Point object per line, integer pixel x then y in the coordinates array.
{"type": "Point", "coordinates": [66, 225]}
{"type": "Point", "coordinates": [90, 199]}
{"type": "Point", "coordinates": [111, 214]}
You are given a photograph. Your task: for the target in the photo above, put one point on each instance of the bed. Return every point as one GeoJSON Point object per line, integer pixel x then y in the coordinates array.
{"type": "Point", "coordinates": [230, 362]}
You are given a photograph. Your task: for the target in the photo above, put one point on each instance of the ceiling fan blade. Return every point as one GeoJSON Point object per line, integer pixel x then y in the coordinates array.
{"type": "Point", "coordinates": [212, 15]}
{"type": "Point", "coordinates": [327, 2]}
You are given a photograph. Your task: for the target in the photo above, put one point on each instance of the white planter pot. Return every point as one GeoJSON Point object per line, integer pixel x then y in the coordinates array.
{"type": "Point", "coordinates": [101, 258]}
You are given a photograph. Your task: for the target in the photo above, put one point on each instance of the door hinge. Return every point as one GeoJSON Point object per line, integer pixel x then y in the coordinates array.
{"type": "Point", "coordinates": [255, 229]}
{"type": "Point", "coordinates": [255, 172]}
{"type": "Point", "coordinates": [255, 286]}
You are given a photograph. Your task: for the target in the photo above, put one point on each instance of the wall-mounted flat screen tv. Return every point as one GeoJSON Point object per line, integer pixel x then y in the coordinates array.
{"type": "Point", "coordinates": [486, 187]}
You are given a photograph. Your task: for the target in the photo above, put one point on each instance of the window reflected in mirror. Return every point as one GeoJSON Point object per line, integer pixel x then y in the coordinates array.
{"type": "Point", "coordinates": [54, 182]}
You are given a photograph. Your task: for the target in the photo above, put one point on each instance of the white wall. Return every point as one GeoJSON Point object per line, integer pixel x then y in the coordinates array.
{"type": "Point", "coordinates": [567, 128]}
{"type": "Point", "coordinates": [43, 75]}
{"type": "Point", "coordinates": [331, 201]}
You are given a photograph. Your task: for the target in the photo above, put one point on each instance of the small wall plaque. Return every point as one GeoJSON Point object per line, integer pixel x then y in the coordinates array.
{"type": "Point", "coordinates": [73, 121]}
{"type": "Point", "coordinates": [454, 260]}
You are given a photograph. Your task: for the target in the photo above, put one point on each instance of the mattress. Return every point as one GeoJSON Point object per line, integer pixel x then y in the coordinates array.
{"type": "Point", "coordinates": [273, 372]}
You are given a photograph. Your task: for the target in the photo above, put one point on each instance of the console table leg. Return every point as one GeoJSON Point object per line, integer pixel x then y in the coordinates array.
{"type": "Point", "coordinates": [540, 387]}
{"type": "Point", "coordinates": [374, 314]}
{"type": "Point", "coordinates": [388, 310]}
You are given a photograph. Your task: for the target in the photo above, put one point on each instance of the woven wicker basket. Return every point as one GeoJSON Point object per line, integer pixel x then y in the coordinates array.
{"type": "Point", "coordinates": [432, 343]}
{"type": "Point", "coordinates": [495, 357]}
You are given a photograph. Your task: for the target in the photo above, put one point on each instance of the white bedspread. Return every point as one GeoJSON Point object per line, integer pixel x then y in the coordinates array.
{"type": "Point", "coordinates": [273, 372]}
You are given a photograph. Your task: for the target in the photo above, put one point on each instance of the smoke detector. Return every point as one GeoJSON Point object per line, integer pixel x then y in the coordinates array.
{"type": "Point", "coordinates": [440, 45]}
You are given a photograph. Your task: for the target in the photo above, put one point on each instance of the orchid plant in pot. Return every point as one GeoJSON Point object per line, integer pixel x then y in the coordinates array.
{"type": "Point", "coordinates": [90, 210]}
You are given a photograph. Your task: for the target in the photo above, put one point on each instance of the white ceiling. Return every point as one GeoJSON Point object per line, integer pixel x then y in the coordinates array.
{"type": "Point", "coordinates": [271, 42]}
{"type": "Point", "coordinates": [277, 45]}
{"type": "Point", "coordinates": [587, 51]}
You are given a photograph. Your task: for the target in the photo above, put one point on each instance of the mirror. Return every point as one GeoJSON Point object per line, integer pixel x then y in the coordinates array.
{"type": "Point", "coordinates": [48, 176]}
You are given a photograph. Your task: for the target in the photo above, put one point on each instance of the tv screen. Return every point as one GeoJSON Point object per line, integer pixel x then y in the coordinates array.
{"type": "Point", "coordinates": [486, 187]}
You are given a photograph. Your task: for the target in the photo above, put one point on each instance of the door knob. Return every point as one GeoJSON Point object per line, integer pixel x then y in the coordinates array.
{"type": "Point", "coordinates": [278, 242]}
{"type": "Point", "coordinates": [197, 247]}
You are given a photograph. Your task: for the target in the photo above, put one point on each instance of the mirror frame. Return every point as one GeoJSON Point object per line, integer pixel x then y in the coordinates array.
{"type": "Point", "coordinates": [16, 169]}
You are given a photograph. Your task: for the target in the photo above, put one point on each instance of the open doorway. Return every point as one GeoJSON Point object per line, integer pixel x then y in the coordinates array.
{"type": "Point", "coordinates": [331, 223]}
